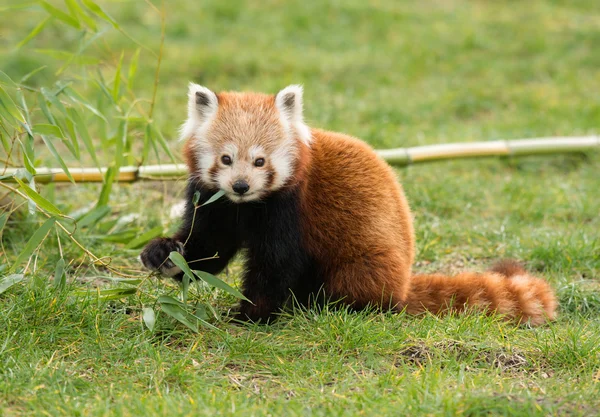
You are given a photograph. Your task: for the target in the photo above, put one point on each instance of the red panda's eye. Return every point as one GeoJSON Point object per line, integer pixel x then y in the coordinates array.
{"type": "Point", "coordinates": [259, 162]}
{"type": "Point", "coordinates": [226, 159]}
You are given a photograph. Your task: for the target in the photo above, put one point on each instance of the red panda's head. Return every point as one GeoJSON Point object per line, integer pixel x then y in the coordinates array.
{"type": "Point", "coordinates": [246, 144]}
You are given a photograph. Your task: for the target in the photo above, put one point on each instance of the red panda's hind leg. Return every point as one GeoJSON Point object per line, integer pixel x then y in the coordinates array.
{"type": "Point", "coordinates": [380, 280]}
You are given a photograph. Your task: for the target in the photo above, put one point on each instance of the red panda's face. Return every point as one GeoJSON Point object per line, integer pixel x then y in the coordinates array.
{"type": "Point", "coordinates": [245, 144]}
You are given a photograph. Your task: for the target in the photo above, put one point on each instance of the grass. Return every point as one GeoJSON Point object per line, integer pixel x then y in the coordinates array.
{"type": "Point", "coordinates": [395, 74]}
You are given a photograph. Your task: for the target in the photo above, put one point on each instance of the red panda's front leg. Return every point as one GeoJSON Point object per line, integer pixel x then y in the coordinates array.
{"type": "Point", "coordinates": [277, 265]}
{"type": "Point", "coordinates": [204, 238]}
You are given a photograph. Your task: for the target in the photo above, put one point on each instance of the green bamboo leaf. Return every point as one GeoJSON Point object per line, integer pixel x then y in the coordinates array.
{"type": "Point", "coordinates": [177, 310]}
{"type": "Point", "coordinates": [47, 129]}
{"type": "Point", "coordinates": [181, 315]}
{"type": "Point", "coordinates": [117, 80]}
{"type": "Point", "coordinates": [81, 128]}
{"type": "Point", "coordinates": [38, 199]}
{"type": "Point", "coordinates": [93, 216]}
{"type": "Point", "coordinates": [144, 238]}
{"type": "Point", "coordinates": [210, 279]}
{"type": "Point", "coordinates": [162, 141]}
{"type": "Point", "coordinates": [109, 177]}
{"type": "Point", "coordinates": [133, 65]}
{"type": "Point", "coordinates": [23, 103]}
{"type": "Point", "coordinates": [10, 106]}
{"type": "Point", "coordinates": [98, 11]}
{"type": "Point", "coordinates": [36, 30]}
{"type": "Point", "coordinates": [74, 144]}
{"type": "Point", "coordinates": [54, 152]}
{"type": "Point", "coordinates": [53, 99]}
{"type": "Point", "coordinates": [60, 15]}
{"type": "Point", "coordinates": [60, 277]}
{"type": "Point", "coordinates": [77, 11]}
{"type": "Point", "coordinates": [34, 241]}
{"type": "Point", "coordinates": [9, 281]}
{"type": "Point", "coordinates": [214, 198]}
{"type": "Point", "coordinates": [179, 261]}
{"type": "Point", "coordinates": [112, 294]}
{"type": "Point", "coordinates": [31, 74]}
{"type": "Point", "coordinates": [73, 95]}
{"type": "Point", "coordinates": [5, 79]}
{"type": "Point", "coordinates": [149, 317]}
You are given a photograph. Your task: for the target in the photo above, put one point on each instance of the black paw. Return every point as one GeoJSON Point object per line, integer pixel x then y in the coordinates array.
{"type": "Point", "coordinates": [155, 255]}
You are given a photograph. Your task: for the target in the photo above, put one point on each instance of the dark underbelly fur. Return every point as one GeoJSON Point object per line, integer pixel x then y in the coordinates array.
{"type": "Point", "coordinates": [277, 266]}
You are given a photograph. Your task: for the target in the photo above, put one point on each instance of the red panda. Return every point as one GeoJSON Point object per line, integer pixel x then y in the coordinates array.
{"type": "Point", "coordinates": [315, 211]}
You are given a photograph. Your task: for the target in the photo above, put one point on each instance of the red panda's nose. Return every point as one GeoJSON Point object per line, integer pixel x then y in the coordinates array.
{"type": "Point", "coordinates": [240, 187]}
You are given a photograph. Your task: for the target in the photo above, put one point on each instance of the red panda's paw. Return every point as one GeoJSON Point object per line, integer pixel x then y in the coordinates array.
{"type": "Point", "coordinates": [155, 255]}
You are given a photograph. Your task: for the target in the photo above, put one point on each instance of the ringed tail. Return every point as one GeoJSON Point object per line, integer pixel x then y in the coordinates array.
{"type": "Point", "coordinates": [506, 289]}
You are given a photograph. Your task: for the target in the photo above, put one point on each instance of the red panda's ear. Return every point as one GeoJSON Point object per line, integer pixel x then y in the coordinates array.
{"type": "Point", "coordinates": [202, 107]}
{"type": "Point", "coordinates": [289, 103]}
{"type": "Point", "coordinates": [202, 103]}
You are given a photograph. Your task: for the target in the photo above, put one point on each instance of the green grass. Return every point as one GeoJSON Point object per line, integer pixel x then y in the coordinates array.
{"type": "Point", "coordinates": [396, 74]}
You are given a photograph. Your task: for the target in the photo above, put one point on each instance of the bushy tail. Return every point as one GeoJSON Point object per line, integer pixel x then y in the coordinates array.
{"type": "Point", "coordinates": [506, 289]}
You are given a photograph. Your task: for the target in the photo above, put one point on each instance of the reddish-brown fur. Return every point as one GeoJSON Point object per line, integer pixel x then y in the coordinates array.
{"type": "Point", "coordinates": [357, 224]}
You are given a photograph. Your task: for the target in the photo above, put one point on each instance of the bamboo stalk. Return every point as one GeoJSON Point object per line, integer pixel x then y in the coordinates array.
{"type": "Point", "coordinates": [400, 156]}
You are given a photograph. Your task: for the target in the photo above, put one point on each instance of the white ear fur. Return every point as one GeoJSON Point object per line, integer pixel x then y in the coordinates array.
{"type": "Point", "coordinates": [289, 103]}
{"type": "Point", "coordinates": [202, 107]}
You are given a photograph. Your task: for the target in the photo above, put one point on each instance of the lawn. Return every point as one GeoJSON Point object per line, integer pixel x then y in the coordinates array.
{"type": "Point", "coordinates": [394, 73]}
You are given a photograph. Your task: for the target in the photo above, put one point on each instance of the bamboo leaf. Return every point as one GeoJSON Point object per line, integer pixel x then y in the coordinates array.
{"type": "Point", "coordinates": [144, 238]}
{"type": "Point", "coordinates": [73, 95]}
{"type": "Point", "coordinates": [32, 73]}
{"type": "Point", "coordinates": [180, 261]}
{"type": "Point", "coordinates": [149, 317]}
{"type": "Point", "coordinates": [60, 15]}
{"type": "Point", "coordinates": [47, 129]}
{"type": "Point", "coordinates": [181, 315]}
{"type": "Point", "coordinates": [112, 294]}
{"type": "Point", "coordinates": [77, 11]}
{"type": "Point", "coordinates": [210, 279]}
{"type": "Point", "coordinates": [214, 198]}
{"type": "Point", "coordinates": [10, 106]}
{"type": "Point", "coordinates": [60, 277]}
{"type": "Point", "coordinates": [81, 128]}
{"type": "Point", "coordinates": [34, 241]}
{"type": "Point", "coordinates": [9, 281]}
{"type": "Point", "coordinates": [38, 199]}
{"type": "Point", "coordinates": [98, 11]}
{"type": "Point", "coordinates": [5, 79]}
{"type": "Point", "coordinates": [117, 80]}
{"type": "Point", "coordinates": [162, 141]}
{"type": "Point", "coordinates": [93, 216]}
{"type": "Point", "coordinates": [54, 152]}
{"type": "Point", "coordinates": [133, 65]}
{"type": "Point", "coordinates": [109, 177]}
{"type": "Point", "coordinates": [35, 31]}
{"type": "Point", "coordinates": [53, 99]}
